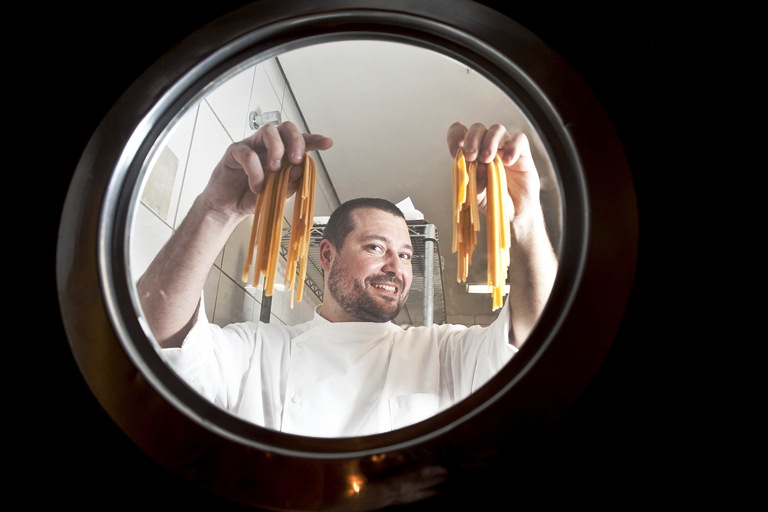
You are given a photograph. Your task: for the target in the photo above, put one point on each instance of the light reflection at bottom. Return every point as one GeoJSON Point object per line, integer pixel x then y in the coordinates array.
{"type": "Point", "coordinates": [356, 484]}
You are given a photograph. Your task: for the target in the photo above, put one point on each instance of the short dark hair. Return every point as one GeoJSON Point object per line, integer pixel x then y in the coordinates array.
{"type": "Point", "coordinates": [340, 223]}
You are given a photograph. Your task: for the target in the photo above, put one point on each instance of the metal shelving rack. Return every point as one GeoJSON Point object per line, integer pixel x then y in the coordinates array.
{"type": "Point", "coordinates": [426, 302]}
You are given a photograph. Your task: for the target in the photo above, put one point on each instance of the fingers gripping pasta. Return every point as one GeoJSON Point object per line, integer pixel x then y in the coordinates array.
{"type": "Point", "coordinates": [466, 222]}
{"type": "Point", "coordinates": [267, 228]}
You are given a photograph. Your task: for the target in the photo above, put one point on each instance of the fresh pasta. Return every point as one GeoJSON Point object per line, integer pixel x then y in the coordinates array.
{"type": "Point", "coordinates": [466, 222]}
{"type": "Point", "coordinates": [267, 228]}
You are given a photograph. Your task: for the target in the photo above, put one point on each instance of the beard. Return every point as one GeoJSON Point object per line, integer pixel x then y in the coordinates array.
{"type": "Point", "coordinates": [356, 301]}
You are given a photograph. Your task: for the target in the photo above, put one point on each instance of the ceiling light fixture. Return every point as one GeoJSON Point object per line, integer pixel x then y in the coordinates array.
{"type": "Point", "coordinates": [484, 288]}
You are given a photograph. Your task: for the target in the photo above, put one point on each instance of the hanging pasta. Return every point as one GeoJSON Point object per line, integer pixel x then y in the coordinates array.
{"type": "Point", "coordinates": [301, 231]}
{"type": "Point", "coordinates": [466, 222]}
{"type": "Point", "coordinates": [465, 216]}
{"type": "Point", "coordinates": [267, 228]}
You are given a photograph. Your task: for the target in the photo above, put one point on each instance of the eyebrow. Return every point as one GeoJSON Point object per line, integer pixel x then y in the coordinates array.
{"type": "Point", "coordinates": [385, 240]}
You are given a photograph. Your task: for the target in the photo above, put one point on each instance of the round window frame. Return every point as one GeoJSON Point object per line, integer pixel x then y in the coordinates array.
{"type": "Point", "coordinates": [210, 446]}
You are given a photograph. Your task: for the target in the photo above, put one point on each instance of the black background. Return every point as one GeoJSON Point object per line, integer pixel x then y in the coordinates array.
{"type": "Point", "coordinates": [622, 442]}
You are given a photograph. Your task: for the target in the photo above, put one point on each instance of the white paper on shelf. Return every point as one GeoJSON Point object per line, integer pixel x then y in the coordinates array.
{"type": "Point", "coordinates": [409, 210]}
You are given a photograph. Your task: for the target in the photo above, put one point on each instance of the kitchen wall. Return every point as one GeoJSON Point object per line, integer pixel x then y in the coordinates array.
{"type": "Point", "coordinates": [178, 171]}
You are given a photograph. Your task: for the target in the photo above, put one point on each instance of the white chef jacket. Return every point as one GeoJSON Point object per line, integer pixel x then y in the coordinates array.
{"type": "Point", "coordinates": [325, 379]}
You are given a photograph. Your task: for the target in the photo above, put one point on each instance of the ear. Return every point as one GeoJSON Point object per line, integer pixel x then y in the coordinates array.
{"type": "Point", "coordinates": [327, 253]}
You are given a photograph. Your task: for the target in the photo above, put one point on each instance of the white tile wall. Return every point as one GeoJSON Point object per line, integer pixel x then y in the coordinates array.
{"type": "Point", "coordinates": [198, 140]}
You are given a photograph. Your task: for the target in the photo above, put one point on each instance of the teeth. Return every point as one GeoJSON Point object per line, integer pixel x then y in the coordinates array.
{"type": "Point", "coordinates": [385, 287]}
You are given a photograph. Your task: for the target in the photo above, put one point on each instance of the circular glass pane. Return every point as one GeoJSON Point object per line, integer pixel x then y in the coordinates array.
{"type": "Point", "coordinates": [387, 105]}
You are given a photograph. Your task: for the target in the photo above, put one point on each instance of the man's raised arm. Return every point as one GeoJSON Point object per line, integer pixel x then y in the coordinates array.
{"type": "Point", "coordinates": [533, 263]}
{"type": "Point", "coordinates": [170, 288]}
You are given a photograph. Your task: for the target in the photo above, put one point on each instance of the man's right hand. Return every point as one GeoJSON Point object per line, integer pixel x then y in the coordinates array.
{"type": "Point", "coordinates": [240, 173]}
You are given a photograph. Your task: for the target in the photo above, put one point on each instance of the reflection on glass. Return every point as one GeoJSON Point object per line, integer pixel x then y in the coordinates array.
{"type": "Point", "coordinates": [387, 106]}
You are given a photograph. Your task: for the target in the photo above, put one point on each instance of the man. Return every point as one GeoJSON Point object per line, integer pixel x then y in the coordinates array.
{"type": "Point", "coordinates": [349, 371]}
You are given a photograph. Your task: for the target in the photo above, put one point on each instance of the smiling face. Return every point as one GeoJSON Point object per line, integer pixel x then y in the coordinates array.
{"type": "Point", "coordinates": [369, 277]}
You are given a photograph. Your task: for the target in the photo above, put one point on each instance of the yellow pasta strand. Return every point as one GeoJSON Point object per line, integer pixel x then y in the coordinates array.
{"type": "Point", "coordinates": [252, 243]}
{"type": "Point", "coordinates": [267, 228]}
{"type": "Point", "coordinates": [498, 230]}
{"type": "Point", "coordinates": [301, 228]}
{"type": "Point", "coordinates": [464, 214]}
{"type": "Point", "coordinates": [467, 222]}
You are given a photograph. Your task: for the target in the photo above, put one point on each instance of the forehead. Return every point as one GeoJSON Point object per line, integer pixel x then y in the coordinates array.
{"type": "Point", "coordinates": [375, 222]}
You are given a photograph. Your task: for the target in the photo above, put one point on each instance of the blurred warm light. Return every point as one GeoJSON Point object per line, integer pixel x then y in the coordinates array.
{"type": "Point", "coordinates": [356, 484]}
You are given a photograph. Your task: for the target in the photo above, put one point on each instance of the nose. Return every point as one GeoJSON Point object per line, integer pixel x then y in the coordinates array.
{"type": "Point", "coordinates": [395, 265]}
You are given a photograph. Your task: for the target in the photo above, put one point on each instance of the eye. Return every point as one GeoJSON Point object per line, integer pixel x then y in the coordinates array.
{"type": "Point", "coordinates": [375, 248]}
{"type": "Point", "coordinates": [406, 256]}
